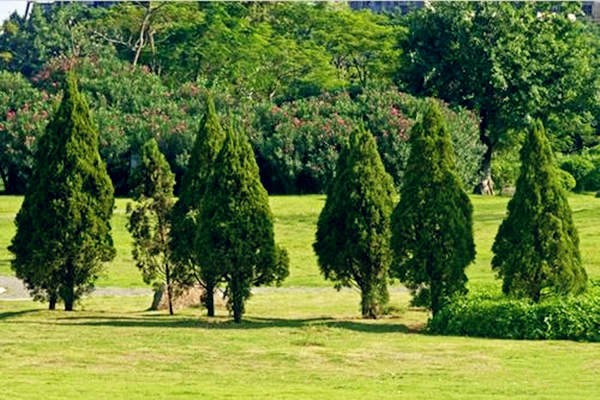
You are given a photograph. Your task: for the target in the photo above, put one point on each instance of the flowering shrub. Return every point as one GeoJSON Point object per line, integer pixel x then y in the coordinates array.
{"type": "Point", "coordinates": [297, 142]}
{"type": "Point", "coordinates": [130, 106]}
{"type": "Point", "coordinates": [24, 113]}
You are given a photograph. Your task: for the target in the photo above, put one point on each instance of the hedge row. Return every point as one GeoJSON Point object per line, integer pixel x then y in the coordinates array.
{"type": "Point", "coordinates": [486, 315]}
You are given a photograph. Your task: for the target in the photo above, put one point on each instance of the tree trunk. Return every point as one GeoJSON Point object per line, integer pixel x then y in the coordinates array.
{"type": "Point", "coordinates": [435, 293]}
{"type": "Point", "coordinates": [486, 184]}
{"type": "Point", "coordinates": [169, 289]}
{"type": "Point", "coordinates": [52, 301]}
{"type": "Point", "coordinates": [209, 297]}
{"type": "Point", "coordinates": [237, 299]}
{"type": "Point", "coordinates": [368, 302]}
{"type": "Point", "coordinates": [68, 289]}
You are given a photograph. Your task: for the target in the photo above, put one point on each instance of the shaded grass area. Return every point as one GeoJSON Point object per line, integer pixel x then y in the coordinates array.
{"type": "Point", "coordinates": [295, 225]}
{"type": "Point", "coordinates": [295, 344]}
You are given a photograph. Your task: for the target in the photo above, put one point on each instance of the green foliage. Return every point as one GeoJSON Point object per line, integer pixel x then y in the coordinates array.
{"type": "Point", "coordinates": [131, 106]}
{"type": "Point", "coordinates": [298, 142]}
{"type": "Point", "coordinates": [63, 229]}
{"type": "Point", "coordinates": [353, 231]}
{"type": "Point", "coordinates": [432, 225]}
{"type": "Point", "coordinates": [515, 60]}
{"type": "Point", "coordinates": [149, 218]}
{"type": "Point", "coordinates": [536, 250]}
{"type": "Point", "coordinates": [185, 219]}
{"type": "Point", "coordinates": [23, 116]}
{"type": "Point", "coordinates": [485, 315]}
{"type": "Point", "coordinates": [585, 168]}
{"type": "Point", "coordinates": [235, 235]}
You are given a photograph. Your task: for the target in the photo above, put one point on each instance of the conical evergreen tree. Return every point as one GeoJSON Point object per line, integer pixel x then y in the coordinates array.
{"type": "Point", "coordinates": [432, 225]}
{"type": "Point", "coordinates": [63, 227]}
{"type": "Point", "coordinates": [353, 231]}
{"type": "Point", "coordinates": [149, 218]}
{"type": "Point", "coordinates": [537, 247]}
{"type": "Point", "coordinates": [235, 235]}
{"type": "Point", "coordinates": [185, 213]}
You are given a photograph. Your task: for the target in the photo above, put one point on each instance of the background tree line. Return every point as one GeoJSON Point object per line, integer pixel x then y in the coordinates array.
{"type": "Point", "coordinates": [296, 76]}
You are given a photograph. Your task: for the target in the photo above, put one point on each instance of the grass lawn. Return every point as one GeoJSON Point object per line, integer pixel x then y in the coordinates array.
{"type": "Point", "coordinates": [296, 343]}
{"type": "Point", "coordinates": [300, 341]}
{"type": "Point", "coordinates": [295, 225]}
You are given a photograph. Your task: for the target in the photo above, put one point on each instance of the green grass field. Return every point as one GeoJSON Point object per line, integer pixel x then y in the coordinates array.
{"type": "Point", "coordinates": [304, 340]}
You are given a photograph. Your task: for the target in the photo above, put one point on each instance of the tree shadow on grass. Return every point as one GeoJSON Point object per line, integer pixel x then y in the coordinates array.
{"type": "Point", "coordinates": [13, 314]}
{"type": "Point", "coordinates": [223, 323]}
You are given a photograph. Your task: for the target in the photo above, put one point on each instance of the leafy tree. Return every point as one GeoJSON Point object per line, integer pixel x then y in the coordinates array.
{"type": "Point", "coordinates": [150, 220]}
{"type": "Point", "coordinates": [536, 250]}
{"type": "Point", "coordinates": [235, 235]}
{"type": "Point", "coordinates": [353, 231]}
{"type": "Point", "coordinates": [63, 227]}
{"type": "Point", "coordinates": [432, 225]}
{"type": "Point", "coordinates": [185, 213]}
{"type": "Point", "coordinates": [505, 61]}
{"type": "Point", "coordinates": [360, 43]}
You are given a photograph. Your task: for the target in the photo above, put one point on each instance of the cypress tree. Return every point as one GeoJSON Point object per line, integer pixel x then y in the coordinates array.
{"type": "Point", "coordinates": [432, 225]}
{"type": "Point", "coordinates": [353, 230]}
{"type": "Point", "coordinates": [536, 249]}
{"type": "Point", "coordinates": [149, 218]}
{"type": "Point", "coordinates": [63, 226]}
{"type": "Point", "coordinates": [235, 235]}
{"type": "Point", "coordinates": [185, 213]}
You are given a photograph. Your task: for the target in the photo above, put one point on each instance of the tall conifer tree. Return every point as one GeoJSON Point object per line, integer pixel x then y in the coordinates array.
{"type": "Point", "coordinates": [235, 234]}
{"type": "Point", "coordinates": [353, 231]}
{"type": "Point", "coordinates": [150, 218]}
{"type": "Point", "coordinates": [432, 225]}
{"type": "Point", "coordinates": [63, 227]}
{"type": "Point", "coordinates": [537, 246]}
{"type": "Point", "coordinates": [188, 262]}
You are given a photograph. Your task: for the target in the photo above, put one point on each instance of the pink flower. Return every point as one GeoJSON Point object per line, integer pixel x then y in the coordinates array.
{"type": "Point", "coordinates": [394, 111]}
{"type": "Point", "coordinates": [10, 115]}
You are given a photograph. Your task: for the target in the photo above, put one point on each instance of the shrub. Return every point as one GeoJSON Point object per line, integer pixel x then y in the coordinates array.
{"type": "Point", "coordinates": [297, 143]}
{"type": "Point", "coordinates": [484, 314]}
{"type": "Point", "coordinates": [585, 168]}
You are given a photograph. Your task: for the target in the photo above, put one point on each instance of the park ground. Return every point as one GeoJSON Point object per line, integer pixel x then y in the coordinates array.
{"type": "Point", "coordinates": [303, 340]}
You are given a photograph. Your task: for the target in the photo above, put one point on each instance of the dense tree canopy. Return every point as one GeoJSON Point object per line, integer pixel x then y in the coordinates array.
{"type": "Point", "coordinates": [353, 231]}
{"type": "Point", "coordinates": [63, 227]}
{"type": "Point", "coordinates": [536, 250]}
{"type": "Point", "coordinates": [235, 235]}
{"type": "Point", "coordinates": [432, 225]}
{"type": "Point", "coordinates": [506, 61]}
{"type": "Point", "coordinates": [185, 217]}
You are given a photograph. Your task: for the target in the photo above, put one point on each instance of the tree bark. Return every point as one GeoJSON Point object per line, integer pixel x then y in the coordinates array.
{"type": "Point", "coordinates": [486, 184]}
{"type": "Point", "coordinates": [68, 289]}
{"type": "Point", "coordinates": [237, 299]}
{"type": "Point", "coordinates": [368, 302]}
{"type": "Point", "coordinates": [209, 298]}
{"type": "Point", "coordinates": [169, 288]}
{"type": "Point", "coordinates": [52, 301]}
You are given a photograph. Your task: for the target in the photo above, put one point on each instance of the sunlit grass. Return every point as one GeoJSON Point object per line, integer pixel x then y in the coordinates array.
{"type": "Point", "coordinates": [295, 225]}
{"type": "Point", "coordinates": [295, 344]}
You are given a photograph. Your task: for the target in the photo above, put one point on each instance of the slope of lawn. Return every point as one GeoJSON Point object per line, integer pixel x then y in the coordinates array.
{"type": "Point", "coordinates": [295, 222]}
{"type": "Point", "coordinates": [302, 341]}
{"type": "Point", "coordinates": [297, 343]}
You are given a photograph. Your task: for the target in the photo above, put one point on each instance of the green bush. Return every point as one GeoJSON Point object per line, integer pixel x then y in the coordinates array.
{"type": "Point", "coordinates": [491, 315]}
{"type": "Point", "coordinates": [297, 142]}
{"type": "Point", "coordinates": [585, 168]}
{"type": "Point", "coordinates": [579, 166]}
